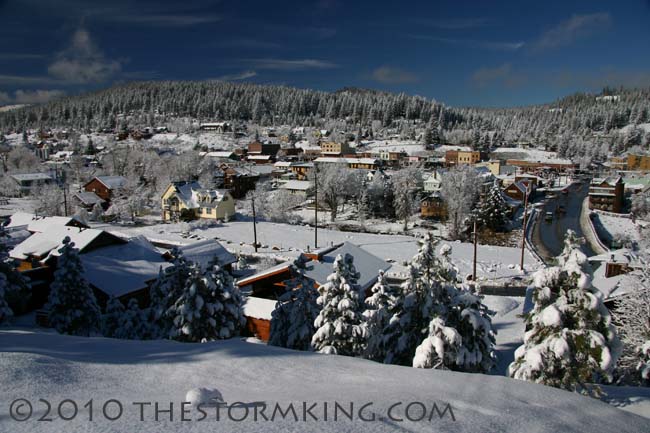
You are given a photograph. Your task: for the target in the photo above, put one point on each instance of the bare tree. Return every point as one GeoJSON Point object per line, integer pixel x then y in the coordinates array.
{"type": "Point", "coordinates": [460, 190]}
{"type": "Point", "coordinates": [407, 182]}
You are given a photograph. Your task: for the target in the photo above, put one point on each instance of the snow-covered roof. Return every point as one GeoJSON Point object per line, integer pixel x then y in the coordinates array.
{"type": "Point", "coordinates": [193, 195]}
{"type": "Point", "coordinates": [296, 185]}
{"type": "Point", "coordinates": [203, 251]}
{"type": "Point", "coordinates": [121, 269]}
{"type": "Point", "coordinates": [220, 154]}
{"type": "Point", "coordinates": [25, 177]}
{"type": "Point", "coordinates": [259, 157]}
{"type": "Point", "coordinates": [258, 308]}
{"type": "Point", "coordinates": [35, 223]}
{"type": "Point", "coordinates": [89, 197]}
{"type": "Point", "coordinates": [112, 182]}
{"type": "Point", "coordinates": [328, 159]}
{"type": "Point", "coordinates": [42, 244]}
{"type": "Point", "coordinates": [283, 164]}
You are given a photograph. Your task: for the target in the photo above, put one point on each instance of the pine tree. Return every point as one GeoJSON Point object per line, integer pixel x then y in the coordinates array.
{"type": "Point", "coordinates": [571, 342]}
{"type": "Point", "coordinates": [194, 314]}
{"type": "Point", "coordinates": [292, 323]}
{"type": "Point", "coordinates": [380, 308]}
{"type": "Point", "coordinates": [133, 324]}
{"type": "Point", "coordinates": [440, 348]}
{"type": "Point", "coordinates": [165, 291]}
{"type": "Point", "coordinates": [111, 318]}
{"type": "Point", "coordinates": [340, 326]}
{"type": "Point", "coordinates": [72, 305]}
{"type": "Point", "coordinates": [13, 286]}
{"type": "Point", "coordinates": [227, 300]}
{"type": "Point", "coordinates": [492, 210]}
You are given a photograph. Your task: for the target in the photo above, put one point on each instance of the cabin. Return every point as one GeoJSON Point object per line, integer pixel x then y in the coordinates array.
{"type": "Point", "coordinates": [88, 200]}
{"type": "Point", "coordinates": [189, 200]}
{"type": "Point", "coordinates": [202, 252]}
{"type": "Point", "coordinates": [220, 127]}
{"type": "Point", "coordinates": [258, 148]}
{"type": "Point", "coordinates": [516, 191]}
{"type": "Point", "coordinates": [297, 187]}
{"type": "Point", "coordinates": [105, 187]}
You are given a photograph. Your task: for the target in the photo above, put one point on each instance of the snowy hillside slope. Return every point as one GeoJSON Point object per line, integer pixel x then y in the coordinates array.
{"type": "Point", "coordinates": [38, 364]}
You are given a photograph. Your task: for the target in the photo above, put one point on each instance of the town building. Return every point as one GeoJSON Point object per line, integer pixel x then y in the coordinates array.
{"type": "Point", "coordinates": [433, 206]}
{"type": "Point", "coordinates": [189, 200]}
{"type": "Point", "coordinates": [333, 148]}
{"type": "Point", "coordinates": [29, 182]}
{"type": "Point", "coordinates": [105, 187]}
{"type": "Point", "coordinates": [607, 194]}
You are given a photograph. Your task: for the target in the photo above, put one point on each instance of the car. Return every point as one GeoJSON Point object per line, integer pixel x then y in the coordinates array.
{"type": "Point", "coordinates": [548, 216]}
{"type": "Point", "coordinates": [561, 209]}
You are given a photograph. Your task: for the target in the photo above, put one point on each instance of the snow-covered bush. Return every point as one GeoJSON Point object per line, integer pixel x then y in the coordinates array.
{"type": "Point", "coordinates": [440, 348]}
{"type": "Point", "coordinates": [340, 326]}
{"type": "Point", "coordinates": [112, 317]}
{"type": "Point", "coordinates": [72, 306]}
{"type": "Point", "coordinates": [570, 341]}
{"type": "Point", "coordinates": [203, 396]}
{"type": "Point", "coordinates": [292, 322]}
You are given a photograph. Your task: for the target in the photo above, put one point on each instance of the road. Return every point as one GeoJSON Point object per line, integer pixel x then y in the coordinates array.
{"type": "Point", "coordinates": [548, 236]}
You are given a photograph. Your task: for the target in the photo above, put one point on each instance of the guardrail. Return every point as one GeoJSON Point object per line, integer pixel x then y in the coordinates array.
{"type": "Point", "coordinates": [591, 233]}
{"type": "Point", "coordinates": [528, 230]}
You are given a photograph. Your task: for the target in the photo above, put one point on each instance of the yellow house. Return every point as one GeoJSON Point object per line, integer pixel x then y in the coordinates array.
{"type": "Point", "coordinates": [187, 200]}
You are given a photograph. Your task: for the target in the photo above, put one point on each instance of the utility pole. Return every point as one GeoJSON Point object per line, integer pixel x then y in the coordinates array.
{"type": "Point", "coordinates": [315, 206]}
{"type": "Point", "coordinates": [474, 277]}
{"type": "Point", "coordinates": [254, 222]}
{"type": "Point", "coordinates": [523, 238]}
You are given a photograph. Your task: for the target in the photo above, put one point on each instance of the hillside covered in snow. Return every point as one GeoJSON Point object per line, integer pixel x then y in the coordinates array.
{"type": "Point", "coordinates": [37, 364]}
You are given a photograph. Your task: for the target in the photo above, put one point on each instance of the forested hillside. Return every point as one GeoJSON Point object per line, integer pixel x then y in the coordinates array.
{"type": "Point", "coordinates": [580, 125]}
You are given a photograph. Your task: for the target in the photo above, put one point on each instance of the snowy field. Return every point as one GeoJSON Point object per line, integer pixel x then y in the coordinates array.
{"type": "Point", "coordinates": [410, 147]}
{"type": "Point", "coordinates": [619, 227]}
{"type": "Point", "coordinates": [494, 263]}
{"type": "Point", "coordinates": [536, 155]}
{"type": "Point", "coordinates": [38, 364]}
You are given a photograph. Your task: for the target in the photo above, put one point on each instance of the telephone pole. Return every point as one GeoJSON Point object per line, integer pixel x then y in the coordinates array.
{"type": "Point", "coordinates": [474, 277]}
{"type": "Point", "coordinates": [523, 238]}
{"type": "Point", "coordinates": [315, 207]}
{"type": "Point", "coordinates": [254, 222]}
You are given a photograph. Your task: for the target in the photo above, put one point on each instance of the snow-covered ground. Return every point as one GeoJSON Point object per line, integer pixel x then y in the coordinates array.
{"type": "Point", "coordinates": [535, 155]}
{"type": "Point", "coordinates": [620, 227]}
{"type": "Point", "coordinates": [493, 263]}
{"type": "Point", "coordinates": [509, 327]}
{"type": "Point", "coordinates": [410, 147]}
{"type": "Point", "coordinates": [39, 364]}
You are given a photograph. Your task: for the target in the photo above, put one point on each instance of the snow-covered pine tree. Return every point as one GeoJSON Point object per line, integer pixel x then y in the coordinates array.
{"type": "Point", "coordinates": [111, 318]}
{"type": "Point", "coordinates": [492, 210]}
{"type": "Point", "coordinates": [227, 300]}
{"type": "Point", "coordinates": [133, 324]}
{"type": "Point", "coordinates": [340, 328]}
{"type": "Point", "coordinates": [571, 342]}
{"type": "Point", "coordinates": [440, 348]}
{"type": "Point", "coordinates": [13, 286]}
{"type": "Point", "coordinates": [422, 296]}
{"type": "Point", "coordinates": [72, 306]}
{"type": "Point", "coordinates": [379, 310]}
{"type": "Point", "coordinates": [165, 291]}
{"type": "Point", "coordinates": [292, 323]}
{"type": "Point", "coordinates": [194, 314]}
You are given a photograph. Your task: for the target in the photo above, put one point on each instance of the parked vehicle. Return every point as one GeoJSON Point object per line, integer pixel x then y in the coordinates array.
{"type": "Point", "coordinates": [548, 216]}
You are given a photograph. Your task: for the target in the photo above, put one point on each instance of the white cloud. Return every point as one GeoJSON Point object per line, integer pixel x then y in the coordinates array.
{"type": "Point", "coordinates": [472, 43]}
{"type": "Point", "coordinates": [235, 77]}
{"type": "Point", "coordinates": [29, 96]}
{"type": "Point", "coordinates": [576, 27]}
{"type": "Point", "coordinates": [391, 75]}
{"type": "Point", "coordinates": [291, 65]}
{"type": "Point", "coordinates": [82, 62]}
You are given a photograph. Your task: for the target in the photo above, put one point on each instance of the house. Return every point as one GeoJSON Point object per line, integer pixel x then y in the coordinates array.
{"type": "Point", "coordinates": [266, 148]}
{"type": "Point", "coordinates": [189, 200]}
{"type": "Point", "coordinates": [30, 181]}
{"type": "Point", "coordinates": [238, 180]}
{"type": "Point", "coordinates": [41, 247]}
{"type": "Point", "coordinates": [261, 159]}
{"type": "Point", "coordinates": [529, 166]}
{"type": "Point", "coordinates": [607, 194]}
{"type": "Point", "coordinates": [434, 182]}
{"type": "Point", "coordinates": [362, 163]}
{"type": "Point", "coordinates": [332, 148]}
{"type": "Point", "coordinates": [33, 223]}
{"type": "Point", "coordinates": [221, 155]}
{"type": "Point", "coordinates": [516, 191]}
{"type": "Point", "coordinates": [470, 157]}
{"type": "Point", "coordinates": [493, 165]}
{"type": "Point", "coordinates": [105, 186]}
{"type": "Point", "coordinates": [258, 313]}
{"type": "Point", "coordinates": [269, 284]}
{"type": "Point", "coordinates": [216, 126]}
{"type": "Point", "coordinates": [297, 187]}
{"type": "Point", "coordinates": [124, 270]}
{"type": "Point", "coordinates": [301, 169]}
{"type": "Point", "coordinates": [433, 206]}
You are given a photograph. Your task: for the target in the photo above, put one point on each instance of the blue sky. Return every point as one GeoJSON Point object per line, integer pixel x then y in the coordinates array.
{"type": "Point", "coordinates": [480, 53]}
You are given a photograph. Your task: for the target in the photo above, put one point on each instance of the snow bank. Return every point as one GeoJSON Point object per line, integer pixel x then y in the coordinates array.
{"type": "Point", "coordinates": [35, 364]}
